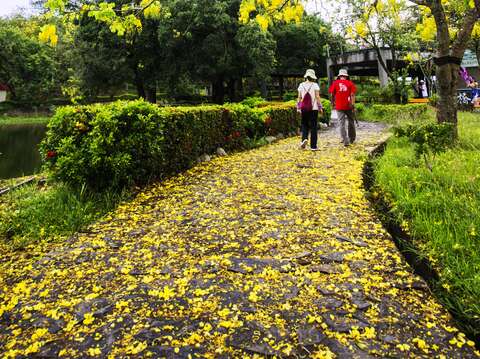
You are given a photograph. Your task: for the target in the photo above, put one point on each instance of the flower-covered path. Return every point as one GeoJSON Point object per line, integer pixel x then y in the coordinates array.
{"type": "Point", "coordinates": [270, 252]}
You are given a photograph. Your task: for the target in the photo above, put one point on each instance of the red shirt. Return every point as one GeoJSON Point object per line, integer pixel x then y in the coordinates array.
{"type": "Point", "coordinates": [342, 91]}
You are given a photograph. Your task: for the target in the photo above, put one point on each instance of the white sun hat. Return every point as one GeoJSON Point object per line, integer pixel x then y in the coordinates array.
{"type": "Point", "coordinates": [310, 73]}
{"type": "Point", "coordinates": [342, 72]}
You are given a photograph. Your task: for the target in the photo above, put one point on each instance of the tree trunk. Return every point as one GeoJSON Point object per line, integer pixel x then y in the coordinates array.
{"type": "Point", "coordinates": [151, 92]}
{"type": "Point", "coordinates": [281, 86]}
{"type": "Point", "coordinates": [139, 84]}
{"type": "Point", "coordinates": [263, 89]}
{"type": "Point", "coordinates": [447, 78]}
{"type": "Point", "coordinates": [151, 95]}
{"type": "Point", "coordinates": [218, 95]}
{"type": "Point", "coordinates": [241, 92]}
{"type": "Point", "coordinates": [232, 93]}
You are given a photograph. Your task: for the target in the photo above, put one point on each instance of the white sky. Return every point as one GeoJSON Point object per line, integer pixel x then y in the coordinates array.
{"type": "Point", "coordinates": [9, 7]}
{"type": "Point", "coordinates": [323, 8]}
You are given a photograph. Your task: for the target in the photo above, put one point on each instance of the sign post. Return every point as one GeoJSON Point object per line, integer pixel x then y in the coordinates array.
{"type": "Point", "coordinates": [469, 59]}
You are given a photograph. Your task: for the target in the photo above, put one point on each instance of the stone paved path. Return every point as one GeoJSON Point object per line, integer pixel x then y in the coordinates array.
{"type": "Point", "coordinates": [271, 252]}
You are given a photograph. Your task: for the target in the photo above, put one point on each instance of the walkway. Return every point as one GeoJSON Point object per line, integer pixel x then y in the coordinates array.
{"type": "Point", "coordinates": [274, 251]}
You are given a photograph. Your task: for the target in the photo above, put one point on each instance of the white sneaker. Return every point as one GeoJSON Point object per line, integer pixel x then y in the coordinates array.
{"type": "Point", "coordinates": [314, 149]}
{"type": "Point", "coordinates": [303, 144]}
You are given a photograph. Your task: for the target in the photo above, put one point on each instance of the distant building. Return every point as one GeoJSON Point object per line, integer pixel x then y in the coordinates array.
{"type": "Point", "coordinates": [4, 90]}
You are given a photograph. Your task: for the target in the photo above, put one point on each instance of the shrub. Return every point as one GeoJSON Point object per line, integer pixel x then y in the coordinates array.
{"type": "Point", "coordinates": [115, 145]}
{"type": "Point", "coordinates": [360, 109]}
{"type": "Point", "coordinates": [253, 101]}
{"type": "Point", "coordinates": [327, 111]}
{"type": "Point", "coordinates": [290, 96]}
{"type": "Point", "coordinates": [429, 139]}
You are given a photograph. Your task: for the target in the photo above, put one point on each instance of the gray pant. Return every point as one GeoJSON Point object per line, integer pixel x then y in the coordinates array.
{"type": "Point", "coordinates": [346, 118]}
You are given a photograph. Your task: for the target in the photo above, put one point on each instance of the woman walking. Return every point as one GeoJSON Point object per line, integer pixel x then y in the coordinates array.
{"type": "Point", "coordinates": [309, 105]}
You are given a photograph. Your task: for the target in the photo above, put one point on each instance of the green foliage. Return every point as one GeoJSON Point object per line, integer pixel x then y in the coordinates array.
{"type": "Point", "coordinates": [433, 99]}
{"type": "Point", "coordinates": [27, 66]}
{"type": "Point", "coordinates": [395, 114]}
{"type": "Point", "coordinates": [440, 209]}
{"type": "Point", "coordinates": [369, 93]}
{"type": "Point", "coordinates": [429, 139]}
{"type": "Point", "coordinates": [30, 214]}
{"type": "Point", "coordinates": [303, 45]}
{"type": "Point", "coordinates": [119, 144]}
{"type": "Point", "coordinates": [360, 108]}
{"type": "Point", "coordinates": [11, 120]}
{"type": "Point", "coordinates": [253, 101]}
{"type": "Point", "coordinates": [327, 111]}
{"type": "Point", "coordinates": [290, 95]}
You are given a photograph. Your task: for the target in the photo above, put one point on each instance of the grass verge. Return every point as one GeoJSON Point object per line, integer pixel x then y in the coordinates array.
{"type": "Point", "coordinates": [440, 209]}
{"type": "Point", "coordinates": [13, 120]}
{"type": "Point", "coordinates": [35, 213]}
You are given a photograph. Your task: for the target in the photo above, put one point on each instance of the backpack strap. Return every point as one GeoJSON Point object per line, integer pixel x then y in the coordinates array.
{"type": "Point", "coordinates": [308, 91]}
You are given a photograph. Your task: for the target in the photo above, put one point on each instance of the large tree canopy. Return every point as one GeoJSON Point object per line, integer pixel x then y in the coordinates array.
{"type": "Point", "coordinates": [26, 65]}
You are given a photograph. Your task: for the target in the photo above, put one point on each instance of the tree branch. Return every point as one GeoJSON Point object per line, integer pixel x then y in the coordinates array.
{"type": "Point", "coordinates": [426, 3]}
{"type": "Point", "coordinates": [443, 35]}
{"type": "Point", "coordinates": [463, 36]}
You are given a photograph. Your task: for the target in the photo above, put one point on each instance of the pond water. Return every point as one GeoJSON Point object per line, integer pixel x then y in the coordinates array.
{"type": "Point", "coordinates": [19, 155]}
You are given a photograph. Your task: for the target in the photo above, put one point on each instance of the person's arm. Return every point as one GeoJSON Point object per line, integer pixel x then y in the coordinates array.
{"type": "Point", "coordinates": [331, 90]}
{"type": "Point", "coordinates": [319, 100]}
{"type": "Point", "coordinates": [352, 95]}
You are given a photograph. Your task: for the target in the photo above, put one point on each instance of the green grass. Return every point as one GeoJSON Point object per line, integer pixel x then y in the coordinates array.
{"type": "Point", "coordinates": [27, 120]}
{"type": "Point", "coordinates": [441, 211]}
{"type": "Point", "coordinates": [394, 114]}
{"type": "Point", "coordinates": [33, 213]}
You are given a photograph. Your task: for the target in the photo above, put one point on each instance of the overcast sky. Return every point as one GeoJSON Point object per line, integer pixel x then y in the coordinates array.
{"type": "Point", "coordinates": [324, 8]}
{"type": "Point", "coordinates": [8, 7]}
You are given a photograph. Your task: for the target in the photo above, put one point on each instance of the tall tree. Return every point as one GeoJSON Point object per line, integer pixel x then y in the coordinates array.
{"type": "Point", "coordinates": [451, 24]}
{"type": "Point", "coordinates": [27, 66]}
{"type": "Point", "coordinates": [383, 24]}
{"type": "Point", "coordinates": [212, 46]}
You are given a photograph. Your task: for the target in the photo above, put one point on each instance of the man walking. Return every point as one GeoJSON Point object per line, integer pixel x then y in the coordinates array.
{"type": "Point", "coordinates": [343, 96]}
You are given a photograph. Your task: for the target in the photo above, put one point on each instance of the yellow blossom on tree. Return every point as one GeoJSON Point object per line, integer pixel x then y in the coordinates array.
{"type": "Point", "coordinates": [152, 9]}
{"type": "Point", "coordinates": [265, 12]}
{"type": "Point", "coordinates": [361, 29]}
{"type": "Point", "coordinates": [48, 34]}
{"type": "Point", "coordinates": [427, 29]}
{"type": "Point", "coordinates": [262, 21]}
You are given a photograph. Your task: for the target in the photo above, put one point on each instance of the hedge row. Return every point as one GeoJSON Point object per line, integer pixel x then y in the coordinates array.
{"type": "Point", "coordinates": [392, 114]}
{"type": "Point", "coordinates": [118, 144]}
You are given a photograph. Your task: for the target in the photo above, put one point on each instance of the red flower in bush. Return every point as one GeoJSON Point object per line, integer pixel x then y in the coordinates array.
{"type": "Point", "coordinates": [268, 121]}
{"type": "Point", "coordinates": [51, 154]}
{"type": "Point", "coordinates": [236, 134]}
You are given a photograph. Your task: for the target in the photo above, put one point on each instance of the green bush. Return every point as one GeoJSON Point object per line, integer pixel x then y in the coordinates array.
{"type": "Point", "coordinates": [253, 101]}
{"type": "Point", "coordinates": [290, 96]}
{"type": "Point", "coordinates": [115, 145]}
{"type": "Point", "coordinates": [394, 114]}
{"type": "Point", "coordinates": [327, 111]}
{"type": "Point", "coordinates": [429, 139]}
{"type": "Point", "coordinates": [360, 109]}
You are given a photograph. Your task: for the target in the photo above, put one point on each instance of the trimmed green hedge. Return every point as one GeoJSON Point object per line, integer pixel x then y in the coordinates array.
{"type": "Point", "coordinates": [115, 145]}
{"type": "Point", "coordinates": [393, 114]}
